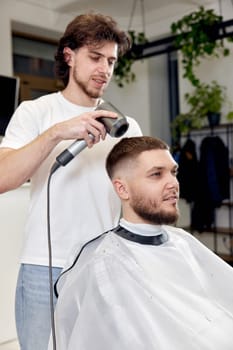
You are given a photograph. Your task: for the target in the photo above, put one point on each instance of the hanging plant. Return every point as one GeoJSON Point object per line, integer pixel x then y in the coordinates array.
{"type": "Point", "coordinates": [123, 73]}
{"type": "Point", "coordinates": [196, 38]}
{"type": "Point", "coordinates": [206, 99]}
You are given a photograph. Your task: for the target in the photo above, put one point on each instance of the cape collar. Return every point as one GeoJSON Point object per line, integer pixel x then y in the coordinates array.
{"type": "Point", "coordinates": [151, 240]}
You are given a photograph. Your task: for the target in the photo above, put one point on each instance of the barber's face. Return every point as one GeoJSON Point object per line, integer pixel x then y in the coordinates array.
{"type": "Point", "coordinates": [154, 189]}
{"type": "Point", "coordinates": [92, 68]}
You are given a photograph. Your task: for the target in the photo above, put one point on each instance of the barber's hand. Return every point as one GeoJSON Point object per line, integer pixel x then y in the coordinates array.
{"type": "Point", "coordinates": [87, 123]}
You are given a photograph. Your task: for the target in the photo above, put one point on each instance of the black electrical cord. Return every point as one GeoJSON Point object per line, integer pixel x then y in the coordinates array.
{"type": "Point", "coordinates": [53, 331]}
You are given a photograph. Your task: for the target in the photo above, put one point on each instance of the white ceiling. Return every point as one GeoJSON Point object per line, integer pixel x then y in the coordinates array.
{"type": "Point", "coordinates": [118, 8]}
{"type": "Point", "coordinates": [155, 11]}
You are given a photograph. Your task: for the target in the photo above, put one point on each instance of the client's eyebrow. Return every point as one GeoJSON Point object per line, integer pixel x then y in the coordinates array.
{"type": "Point", "coordinates": [159, 168]}
{"type": "Point", "coordinates": [155, 168]}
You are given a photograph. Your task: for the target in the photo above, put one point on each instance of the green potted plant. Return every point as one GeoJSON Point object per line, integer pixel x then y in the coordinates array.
{"type": "Point", "coordinates": [205, 101]}
{"type": "Point", "coordinates": [123, 73]}
{"type": "Point", "coordinates": [195, 37]}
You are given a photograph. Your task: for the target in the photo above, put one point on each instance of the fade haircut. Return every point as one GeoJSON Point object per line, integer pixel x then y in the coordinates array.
{"type": "Point", "coordinates": [129, 149]}
{"type": "Point", "coordinates": [88, 29]}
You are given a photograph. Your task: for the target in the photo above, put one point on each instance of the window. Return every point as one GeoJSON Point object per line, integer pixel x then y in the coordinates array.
{"type": "Point", "coordinates": [33, 63]}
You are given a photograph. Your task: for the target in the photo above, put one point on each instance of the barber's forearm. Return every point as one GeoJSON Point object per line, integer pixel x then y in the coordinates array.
{"type": "Point", "coordinates": [18, 165]}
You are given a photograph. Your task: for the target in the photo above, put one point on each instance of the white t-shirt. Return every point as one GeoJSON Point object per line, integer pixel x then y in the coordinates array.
{"type": "Point", "coordinates": [125, 295]}
{"type": "Point", "coordinates": [82, 200]}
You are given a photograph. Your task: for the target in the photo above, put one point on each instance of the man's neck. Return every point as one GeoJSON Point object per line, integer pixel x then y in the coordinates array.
{"type": "Point", "coordinates": [79, 98]}
{"type": "Point", "coordinates": [141, 227]}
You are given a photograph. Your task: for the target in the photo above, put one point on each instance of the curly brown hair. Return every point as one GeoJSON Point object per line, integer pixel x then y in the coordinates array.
{"type": "Point", "coordinates": [88, 29]}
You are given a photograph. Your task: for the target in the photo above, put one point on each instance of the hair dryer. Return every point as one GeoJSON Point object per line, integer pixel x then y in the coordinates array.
{"type": "Point", "coordinates": [115, 127]}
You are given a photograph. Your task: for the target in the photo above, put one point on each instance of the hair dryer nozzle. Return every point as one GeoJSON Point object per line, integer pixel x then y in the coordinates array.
{"type": "Point", "coordinates": [115, 127]}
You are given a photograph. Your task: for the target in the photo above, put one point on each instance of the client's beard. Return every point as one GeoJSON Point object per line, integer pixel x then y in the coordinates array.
{"type": "Point", "coordinates": [159, 218]}
{"type": "Point", "coordinates": [155, 217]}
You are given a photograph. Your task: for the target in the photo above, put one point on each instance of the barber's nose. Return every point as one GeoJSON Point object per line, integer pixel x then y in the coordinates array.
{"type": "Point", "coordinates": [104, 67]}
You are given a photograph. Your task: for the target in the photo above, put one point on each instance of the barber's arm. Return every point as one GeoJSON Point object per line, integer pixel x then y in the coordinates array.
{"type": "Point", "coordinates": [18, 165]}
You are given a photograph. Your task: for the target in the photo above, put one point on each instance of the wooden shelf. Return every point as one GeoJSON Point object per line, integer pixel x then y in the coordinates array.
{"type": "Point", "coordinates": [221, 231]}
{"type": "Point", "coordinates": [226, 257]}
{"type": "Point", "coordinates": [227, 203]}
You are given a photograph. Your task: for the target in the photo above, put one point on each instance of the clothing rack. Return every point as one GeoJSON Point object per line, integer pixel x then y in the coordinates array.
{"type": "Point", "coordinates": [225, 132]}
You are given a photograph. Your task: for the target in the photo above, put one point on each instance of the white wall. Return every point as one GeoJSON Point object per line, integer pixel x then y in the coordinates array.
{"type": "Point", "coordinates": [220, 69]}
{"type": "Point", "coordinates": [25, 17]}
{"type": "Point", "coordinates": [159, 106]}
{"type": "Point", "coordinates": [134, 99]}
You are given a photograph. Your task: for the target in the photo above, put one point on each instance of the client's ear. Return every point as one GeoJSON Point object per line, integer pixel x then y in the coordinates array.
{"type": "Point", "coordinates": [120, 187]}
